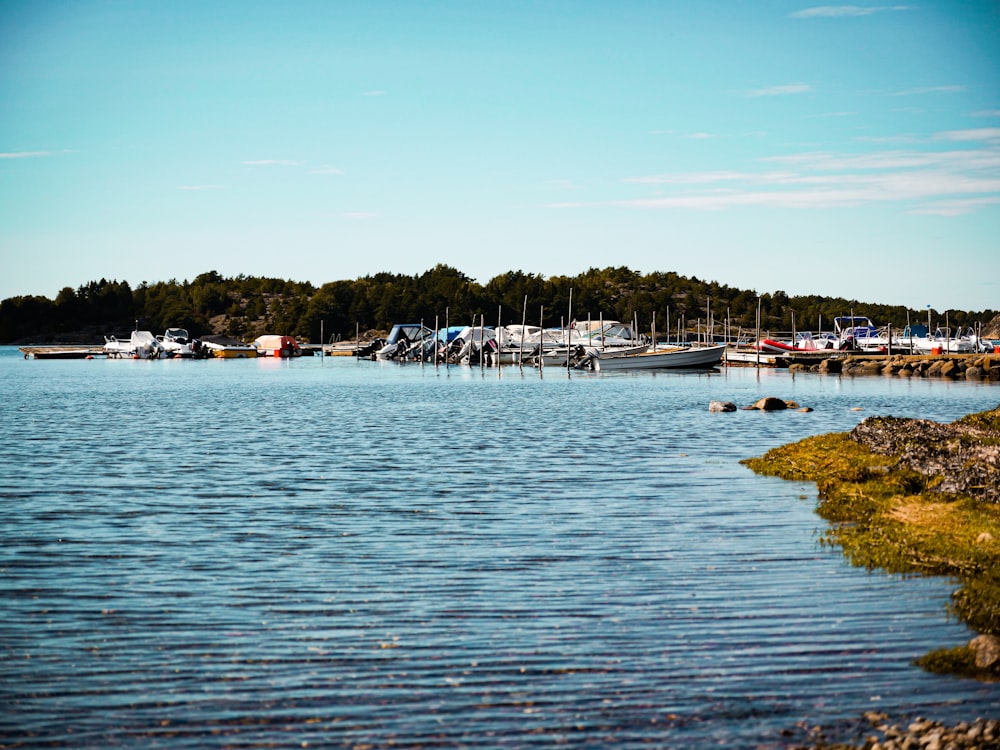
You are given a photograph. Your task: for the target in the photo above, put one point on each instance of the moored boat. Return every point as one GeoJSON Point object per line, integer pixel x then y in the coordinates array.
{"type": "Point", "coordinates": [225, 347]}
{"type": "Point", "coordinates": [141, 345]}
{"type": "Point", "coordinates": [657, 359]}
{"type": "Point", "coordinates": [177, 342]}
{"type": "Point", "coordinates": [404, 341]}
{"type": "Point", "coordinates": [272, 345]}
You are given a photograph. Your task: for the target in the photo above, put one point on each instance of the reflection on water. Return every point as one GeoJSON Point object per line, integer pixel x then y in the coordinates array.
{"type": "Point", "coordinates": [335, 552]}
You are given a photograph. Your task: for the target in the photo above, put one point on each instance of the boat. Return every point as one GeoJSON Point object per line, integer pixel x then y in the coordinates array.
{"type": "Point", "coordinates": [404, 341]}
{"type": "Point", "coordinates": [674, 357]}
{"type": "Point", "coordinates": [474, 345]}
{"type": "Point", "coordinates": [224, 347]}
{"type": "Point", "coordinates": [942, 342]}
{"type": "Point", "coordinates": [141, 345]}
{"type": "Point", "coordinates": [859, 333]}
{"type": "Point", "coordinates": [178, 343]}
{"type": "Point", "coordinates": [271, 345]}
{"type": "Point", "coordinates": [804, 342]}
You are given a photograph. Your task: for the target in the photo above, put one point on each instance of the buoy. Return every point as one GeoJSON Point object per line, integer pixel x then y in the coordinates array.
{"type": "Point", "coordinates": [89, 356]}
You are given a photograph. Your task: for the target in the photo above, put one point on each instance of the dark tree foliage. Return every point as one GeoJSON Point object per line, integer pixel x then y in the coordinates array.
{"type": "Point", "coordinates": [248, 306]}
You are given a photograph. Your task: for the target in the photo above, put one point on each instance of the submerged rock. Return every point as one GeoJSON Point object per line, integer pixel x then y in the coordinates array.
{"type": "Point", "coordinates": [721, 406]}
{"type": "Point", "coordinates": [770, 403]}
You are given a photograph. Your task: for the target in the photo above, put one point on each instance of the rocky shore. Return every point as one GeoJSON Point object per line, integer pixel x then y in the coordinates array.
{"type": "Point", "coordinates": [951, 366]}
{"type": "Point", "coordinates": [920, 734]}
{"type": "Point", "coordinates": [914, 496]}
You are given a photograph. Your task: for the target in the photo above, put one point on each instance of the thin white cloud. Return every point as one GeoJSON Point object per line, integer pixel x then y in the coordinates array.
{"type": "Point", "coordinates": [24, 154]}
{"type": "Point", "coordinates": [200, 187]}
{"type": "Point", "coordinates": [272, 163]}
{"type": "Point", "coordinates": [938, 182]}
{"type": "Point", "coordinates": [374, 92]}
{"type": "Point", "coordinates": [822, 115]}
{"type": "Point", "coordinates": [697, 178]}
{"type": "Point", "coordinates": [956, 207]}
{"type": "Point", "coordinates": [845, 11]}
{"type": "Point", "coordinates": [975, 134]}
{"type": "Point", "coordinates": [326, 170]}
{"type": "Point", "coordinates": [785, 90]}
{"type": "Point", "coordinates": [700, 136]}
{"type": "Point", "coordinates": [955, 89]}
{"type": "Point", "coordinates": [562, 184]}
{"type": "Point", "coordinates": [987, 113]}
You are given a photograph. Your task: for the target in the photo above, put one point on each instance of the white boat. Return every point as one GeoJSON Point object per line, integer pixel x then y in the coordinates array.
{"type": "Point", "coordinates": [657, 359]}
{"type": "Point", "coordinates": [472, 344]}
{"type": "Point", "coordinates": [858, 332]}
{"type": "Point", "coordinates": [177, 343]}
{"type": "Point", "coordinates": [141, 345]}
{"type": "Point", "coordinates": [942, 342]}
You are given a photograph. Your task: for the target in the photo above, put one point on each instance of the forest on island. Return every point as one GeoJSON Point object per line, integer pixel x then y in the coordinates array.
{"type": "Point", "coordinates": [246, 306]}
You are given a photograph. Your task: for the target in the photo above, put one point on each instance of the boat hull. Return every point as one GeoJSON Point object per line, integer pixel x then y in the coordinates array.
{"type": "Point", "coordinates": [695, 357]}
{"type": "Point", "coordinates": [250, 353]}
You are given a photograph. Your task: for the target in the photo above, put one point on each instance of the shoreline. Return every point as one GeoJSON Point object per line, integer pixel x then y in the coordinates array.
{"type": "Point", "coordinates": [913, 496]}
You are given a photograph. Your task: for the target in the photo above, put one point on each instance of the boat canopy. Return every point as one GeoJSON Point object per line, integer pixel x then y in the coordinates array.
{"type": "Point", "coordinates": [411, 332]}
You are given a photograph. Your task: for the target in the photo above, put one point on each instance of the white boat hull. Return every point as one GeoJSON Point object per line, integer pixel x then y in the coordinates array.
{"type": "Point", "coordinates": [661, 359]}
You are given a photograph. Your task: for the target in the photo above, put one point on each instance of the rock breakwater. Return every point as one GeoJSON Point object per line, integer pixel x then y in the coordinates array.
{"type": "Point", "coordinates": [953, 366]}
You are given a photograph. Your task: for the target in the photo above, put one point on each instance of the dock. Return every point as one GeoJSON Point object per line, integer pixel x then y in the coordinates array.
{"type": "Point", "coordinates": [61, 352]}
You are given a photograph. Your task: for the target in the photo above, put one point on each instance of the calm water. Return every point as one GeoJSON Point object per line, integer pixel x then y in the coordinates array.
{"type": "Point", "coordinates": [266, 553]}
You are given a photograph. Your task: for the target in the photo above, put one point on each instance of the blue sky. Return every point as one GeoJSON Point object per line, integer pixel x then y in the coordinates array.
{"type": "Point", "coordinates": [840, 150]}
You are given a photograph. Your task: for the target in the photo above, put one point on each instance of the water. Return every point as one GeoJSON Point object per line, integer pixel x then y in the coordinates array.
{"type": "Point", "coordinates": [323, 553]}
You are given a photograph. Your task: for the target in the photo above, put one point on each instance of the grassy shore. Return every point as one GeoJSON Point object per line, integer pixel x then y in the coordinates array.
{"type": "Point", "coordinates": [913, 496]}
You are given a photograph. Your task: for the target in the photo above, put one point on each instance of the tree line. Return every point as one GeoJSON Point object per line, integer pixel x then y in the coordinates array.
{"type": "Point", "coordinates": [246, 306]}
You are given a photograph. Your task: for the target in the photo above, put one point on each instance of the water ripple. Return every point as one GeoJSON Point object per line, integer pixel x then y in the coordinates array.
{"type": "Point", "coordinates": [235, 554]}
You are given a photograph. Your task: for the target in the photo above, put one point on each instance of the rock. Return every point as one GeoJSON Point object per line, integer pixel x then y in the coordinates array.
{"type": "Point", "coordinates": [964, 458]}
{"type": "Point", "coordinates": [805, 408]}
{"type": "Point", "coordinates": [987, 649]}
{"type": "Point", "coordinates": [720, 406]}
{"type": "Point", "coordinates": [949, 369]}
{"type": "Point", "coordinates": [770, 403]}
{"type": "Point", "coordinates": [791, 404]}
{"type": "Point", "coordinates": [918, 735]}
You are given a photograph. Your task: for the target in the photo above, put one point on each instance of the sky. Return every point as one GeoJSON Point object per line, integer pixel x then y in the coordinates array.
{"type": "Point", "coordinates": [838, 150]}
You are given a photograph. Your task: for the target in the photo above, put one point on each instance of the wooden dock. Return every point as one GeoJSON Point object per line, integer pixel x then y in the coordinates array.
{"type": "Point", "coordinates": [61, 352]}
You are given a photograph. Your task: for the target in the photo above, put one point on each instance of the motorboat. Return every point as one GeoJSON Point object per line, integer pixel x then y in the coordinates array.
{"type": "Point", "coordinates": [141, 345]}
{"type": "Point", "coordinates": [671, 357]}
{"type": "Point", "coordinates": [474, 345]}
{"type": "Point", "coordinates": [942, 342]}
{"type": "Point", "coordinates": [404, 340]}
{"type": "Point", "coordinates": [276, 346]}
{"type": "Point", "coordinates": [858, 332]}
{"type": "Point", "coordinates": [178, 343]}
{"type": "Point", "coordinates": [225, 347]}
